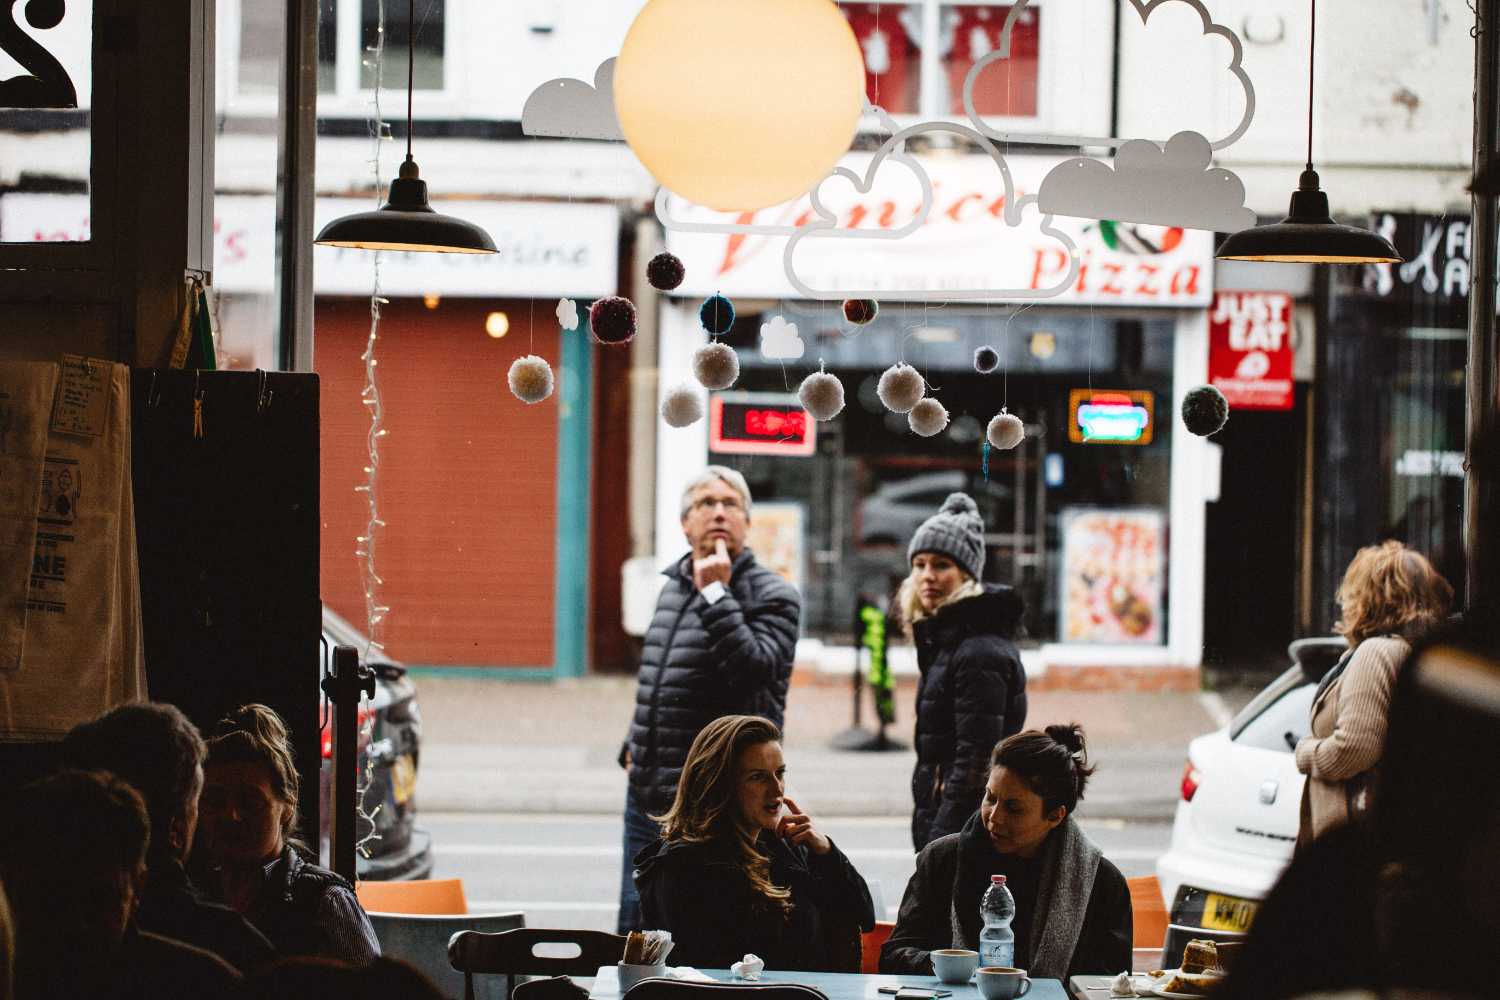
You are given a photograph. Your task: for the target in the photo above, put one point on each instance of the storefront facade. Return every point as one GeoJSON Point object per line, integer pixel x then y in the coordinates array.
{"type": "Point", "coordinates": [1097, 519]}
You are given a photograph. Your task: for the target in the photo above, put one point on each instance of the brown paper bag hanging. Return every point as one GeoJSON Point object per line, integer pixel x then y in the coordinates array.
{"type": "Point", "coordinates": [26, 393]}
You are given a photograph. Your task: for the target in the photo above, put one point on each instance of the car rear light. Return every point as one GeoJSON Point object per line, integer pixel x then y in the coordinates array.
{"type": "Point", "coordinates": [366, 715]}
{"type": "Point", "coordinates": [1191, 779]}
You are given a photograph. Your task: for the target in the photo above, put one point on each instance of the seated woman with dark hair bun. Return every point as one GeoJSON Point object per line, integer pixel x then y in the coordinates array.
{"type": "Point", "coordinates": [741, 869]}
{"type": "Point", "coordinates": [1073, 913]}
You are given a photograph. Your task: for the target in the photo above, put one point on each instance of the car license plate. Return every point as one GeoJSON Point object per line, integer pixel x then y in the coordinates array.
{"type": "Point", "coordinates": [403, 778]}
{"type": "Point", "coordinates": [1226, 913]}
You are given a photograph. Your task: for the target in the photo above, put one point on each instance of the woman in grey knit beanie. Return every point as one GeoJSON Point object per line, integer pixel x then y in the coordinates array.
{"type": "Point", "coordinates": [972, 689]}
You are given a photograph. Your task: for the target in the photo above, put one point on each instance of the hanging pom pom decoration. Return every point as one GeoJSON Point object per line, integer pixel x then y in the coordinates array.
{"type": "Point", "coordinates": [530, 378]}
{"type": "Point", "coordinates": [1205, 411]}
{"type": "Point", "coordinates": [900, 388]}
{"type": "Point", "coordinates": [682, 406]}
{"type": "Point", "coordinates": [928, 417]}
{"type": "Point", "coordinates": [821, 394]}
{"type": "Point", "coordinates": [716, 366]}
{"type": "Point", "coordinates": [716, 314]}
{"type": "Point", "coordinates": [1005, 431]}
{"type": "Point", "coordinates": [861, 312]}
{"type": "Point", "coordinates": [665, 272]}
{"type": "Point", "coordinates": [567, 314]}
{"type": "Point", "coordinates": [986, 359]}
{"type": "Point", "coordinates": [613, 320]}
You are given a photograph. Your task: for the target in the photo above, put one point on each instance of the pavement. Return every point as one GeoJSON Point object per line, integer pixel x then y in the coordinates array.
{"type": "Point", "coordinates": [549, 748]}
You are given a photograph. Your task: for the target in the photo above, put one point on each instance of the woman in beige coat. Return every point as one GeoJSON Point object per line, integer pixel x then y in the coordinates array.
{"type": "Point", "coordinates": [1389, 597]}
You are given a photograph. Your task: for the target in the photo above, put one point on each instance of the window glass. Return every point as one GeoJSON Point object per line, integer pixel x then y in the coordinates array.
{"type": "Point", "coordinates": [1288, 714]}
{"type": "Point", "coordinates": [45, 163]}
{"type": "Point", "coordinates": [890, 35]}
{"type": "Point", "coordinates": [261, 28]}
{"type": "Point", "coordinates": [429, 18]}
{"type": "Point", "coordinates": [1005, 89]}
{"type": "Point", "coordinates": [328, 46]}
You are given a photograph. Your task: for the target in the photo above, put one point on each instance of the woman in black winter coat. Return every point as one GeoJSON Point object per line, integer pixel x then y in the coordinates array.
{"type": "Point", "coordinates": [740, 868]}
{"type": "Point", "coordinates": [972, 690]}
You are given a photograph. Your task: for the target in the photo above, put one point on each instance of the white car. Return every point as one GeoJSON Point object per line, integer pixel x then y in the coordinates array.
{"type": "Point", "coordinates": [1236, 822]}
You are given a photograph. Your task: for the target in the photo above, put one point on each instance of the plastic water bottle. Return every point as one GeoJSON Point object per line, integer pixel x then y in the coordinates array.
{"type": "Point", "coordinates": [997, 942]}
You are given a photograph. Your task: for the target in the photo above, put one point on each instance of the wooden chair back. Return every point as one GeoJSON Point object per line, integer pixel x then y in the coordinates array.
{"type": "Point", "coordinates": [431, 896]}
{"type": "Point", "coordinates": [514, 953]}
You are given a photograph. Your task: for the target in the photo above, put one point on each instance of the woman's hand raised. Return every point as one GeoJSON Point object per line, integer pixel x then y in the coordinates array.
{"type": "Point", "coordinates": [796, 827]}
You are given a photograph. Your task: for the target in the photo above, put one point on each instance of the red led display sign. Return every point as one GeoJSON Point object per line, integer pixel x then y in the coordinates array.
{"type": "Point", "coordinates": [746, 423]}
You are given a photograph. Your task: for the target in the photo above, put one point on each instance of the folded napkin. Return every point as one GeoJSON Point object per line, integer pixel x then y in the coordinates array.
{"type": "Point", "coordinates": [748, 968]}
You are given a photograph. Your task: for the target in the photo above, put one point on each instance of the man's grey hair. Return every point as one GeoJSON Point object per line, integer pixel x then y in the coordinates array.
{"type": "Point", "coordinates": [714, 474]}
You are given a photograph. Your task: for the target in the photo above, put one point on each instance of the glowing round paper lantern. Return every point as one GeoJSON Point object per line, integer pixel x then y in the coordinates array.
{"type": "Point", "coordinates": [739, 106]}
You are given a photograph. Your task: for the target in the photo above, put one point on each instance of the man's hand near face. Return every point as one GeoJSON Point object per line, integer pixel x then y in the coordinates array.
{"type": "Point", "coordinates": [714, 568]}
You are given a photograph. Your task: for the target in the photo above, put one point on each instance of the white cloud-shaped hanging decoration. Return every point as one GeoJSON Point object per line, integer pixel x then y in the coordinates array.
{"type": "Point", "coordinates": [530, 378]}
{"type": "Point", "coordinates": [571, 109]}
{"type": "Point", "coordinates": [779, 340]}
{"type": "Point", "coordinates": [682, 406]}
{"type": "Point", "coordinates": [567, 314]}
{"type": "Point", "coordinates": [900, 388]}
{"type": "Point", "coordinates": [1166, 186]}
{"type": "Point", "coordinates": [716, 366]}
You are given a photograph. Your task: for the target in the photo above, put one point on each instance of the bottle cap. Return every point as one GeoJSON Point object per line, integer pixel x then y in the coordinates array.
{"type": "Point", "coordinates": [997, 879]}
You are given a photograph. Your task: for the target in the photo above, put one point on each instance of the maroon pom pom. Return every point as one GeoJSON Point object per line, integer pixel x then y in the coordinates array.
{"type": "Point", "coordinates": [613, 320]}
{"type": "Point", "coordinates": [860, 311]}
{"type": "Point", "coordinates": [665, 272]}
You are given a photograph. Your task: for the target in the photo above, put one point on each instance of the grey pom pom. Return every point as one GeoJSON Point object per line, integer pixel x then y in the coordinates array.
{"type": "Point", "coordinates": [928, 417]}
{"type": "Point", "coordinates": [822, 395]}
{"type": "Point", "coordinates": [959, 503]}
{"type": "Point", "coordinates": [716, 366]}
{"type": "Point", "coordinates": [901, 388]}
{"type": "Point", "coordinates": [986, 359]}
{"type": "Point", "coordinates": [682, 406]}
{"type": "Point", "coordinates": [1005, 431]}
{"type": "Point", "coordinates": [530, 378]}
{"type": "Point", "coordinates": [1205, 411]}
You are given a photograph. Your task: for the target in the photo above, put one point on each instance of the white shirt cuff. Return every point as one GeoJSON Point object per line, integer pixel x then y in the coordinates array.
{"type": "Point", "coordinates": [713, 592]}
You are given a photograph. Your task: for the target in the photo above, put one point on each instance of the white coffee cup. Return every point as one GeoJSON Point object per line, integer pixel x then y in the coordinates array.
{"type": "Point", "coordinates": [632, 974]}
{"type": "Point", "coordinates": [954, 965]}
{"type": "Point", "coordinates": [997, 982]}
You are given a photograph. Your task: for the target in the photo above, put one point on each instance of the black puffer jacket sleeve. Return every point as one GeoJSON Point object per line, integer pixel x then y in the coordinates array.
{"type": "Point", "coordinates": [980, 672]}
{"type": "Point", "coordinates": [751, 648]}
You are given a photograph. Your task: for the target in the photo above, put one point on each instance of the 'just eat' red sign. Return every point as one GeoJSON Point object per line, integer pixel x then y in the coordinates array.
{"type": "Point", "coordinates": [1250, 349]}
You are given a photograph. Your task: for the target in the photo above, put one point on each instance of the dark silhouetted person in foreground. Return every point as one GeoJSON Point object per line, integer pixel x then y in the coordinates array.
{"type": "Point", "coordinates": [74, 863]}
{"type": "Point", "coordinates": [250, 858]}
{"type": "Point", "coordinates": [322, 978]}
{"type": "Point", "coordinates": [159, 753]}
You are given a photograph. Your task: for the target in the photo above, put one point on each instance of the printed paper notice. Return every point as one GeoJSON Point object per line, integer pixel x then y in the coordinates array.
{"type": "Point", "coordinates": [82, 402]}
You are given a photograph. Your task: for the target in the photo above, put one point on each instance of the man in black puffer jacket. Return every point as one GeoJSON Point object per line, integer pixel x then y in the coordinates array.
{"type": "Point", "coordinates": [721, 643]}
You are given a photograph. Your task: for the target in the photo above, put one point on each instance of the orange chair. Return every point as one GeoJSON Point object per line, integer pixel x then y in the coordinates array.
{"type": "Point", "coordinates": [1150, 920]}
{"type": "Point", "coordinates": [429, 896]}
{"type": "Point", "coordinates": [869, 946]}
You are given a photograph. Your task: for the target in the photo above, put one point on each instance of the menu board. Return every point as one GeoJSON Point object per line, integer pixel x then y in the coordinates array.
{"type": "Point", "coordinates": [1113, 575]}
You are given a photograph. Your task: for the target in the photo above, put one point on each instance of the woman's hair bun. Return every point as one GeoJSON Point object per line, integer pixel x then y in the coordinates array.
{"type": "Point", "coordinates": [1070, 736]}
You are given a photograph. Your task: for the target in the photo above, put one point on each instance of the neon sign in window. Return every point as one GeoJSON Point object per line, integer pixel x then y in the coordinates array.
{"type": "Point", "coordinates": [1110, 416]}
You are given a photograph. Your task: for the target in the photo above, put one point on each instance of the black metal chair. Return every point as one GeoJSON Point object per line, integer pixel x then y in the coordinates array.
{"type": "Point", "coordinates": [514, 953]}
{"type": "Point", "coordinates": [677, 989]}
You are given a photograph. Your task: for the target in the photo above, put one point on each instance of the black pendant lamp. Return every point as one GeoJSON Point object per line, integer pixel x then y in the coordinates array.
{"type": "Point", "coordinates": [406, 221]}
{"type": "Point", "coordinates": [1308, 235]}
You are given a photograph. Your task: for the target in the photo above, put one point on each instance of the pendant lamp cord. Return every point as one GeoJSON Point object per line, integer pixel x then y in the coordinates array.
{"type": "Point", "coordinates": [1312, 51]}
{"type": "Point", "coordinates": [411, 69]}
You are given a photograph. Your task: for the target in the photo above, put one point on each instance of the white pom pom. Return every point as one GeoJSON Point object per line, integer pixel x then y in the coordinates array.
{"type": "Point", "coordinates": [1005, 431]}
{"type": "Point", "coordinates": [900, 388]}
{"type": "Point", "coordinates": [716, 366]}
{"type": "Point", "coordinates": [682, 407]}
{"type": "Point", "coordinates": [928, 417]}
{"type": "Point", "coordinates": [822, 395]}
{"type": "Point", "coordinates": [530, 378]}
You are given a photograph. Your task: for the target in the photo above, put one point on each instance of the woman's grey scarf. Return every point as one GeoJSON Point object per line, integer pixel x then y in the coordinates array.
{"type": "Point", "coordinates": [1069, 863]}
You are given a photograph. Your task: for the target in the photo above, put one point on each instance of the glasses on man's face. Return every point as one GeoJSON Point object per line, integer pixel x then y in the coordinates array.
{"type": "Point", "coordinates": [705, 505]}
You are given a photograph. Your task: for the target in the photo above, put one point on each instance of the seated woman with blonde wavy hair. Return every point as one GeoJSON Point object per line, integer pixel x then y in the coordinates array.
{"type": "Point", "coordinates": [740, 868]}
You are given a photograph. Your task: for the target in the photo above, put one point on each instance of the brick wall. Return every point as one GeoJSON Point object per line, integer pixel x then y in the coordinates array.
{"type": "Point", "coordinates": [468, 479]}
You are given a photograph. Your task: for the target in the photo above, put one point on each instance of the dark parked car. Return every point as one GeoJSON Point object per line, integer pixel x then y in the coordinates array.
{"type": "Point", "coordinates": [389, 753]}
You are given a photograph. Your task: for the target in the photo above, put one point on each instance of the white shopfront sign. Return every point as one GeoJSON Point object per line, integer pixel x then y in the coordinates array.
{"type": "Point", "coordinates": [546, 250]}
{"type": "Point", "coordinates": [965, 243]}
